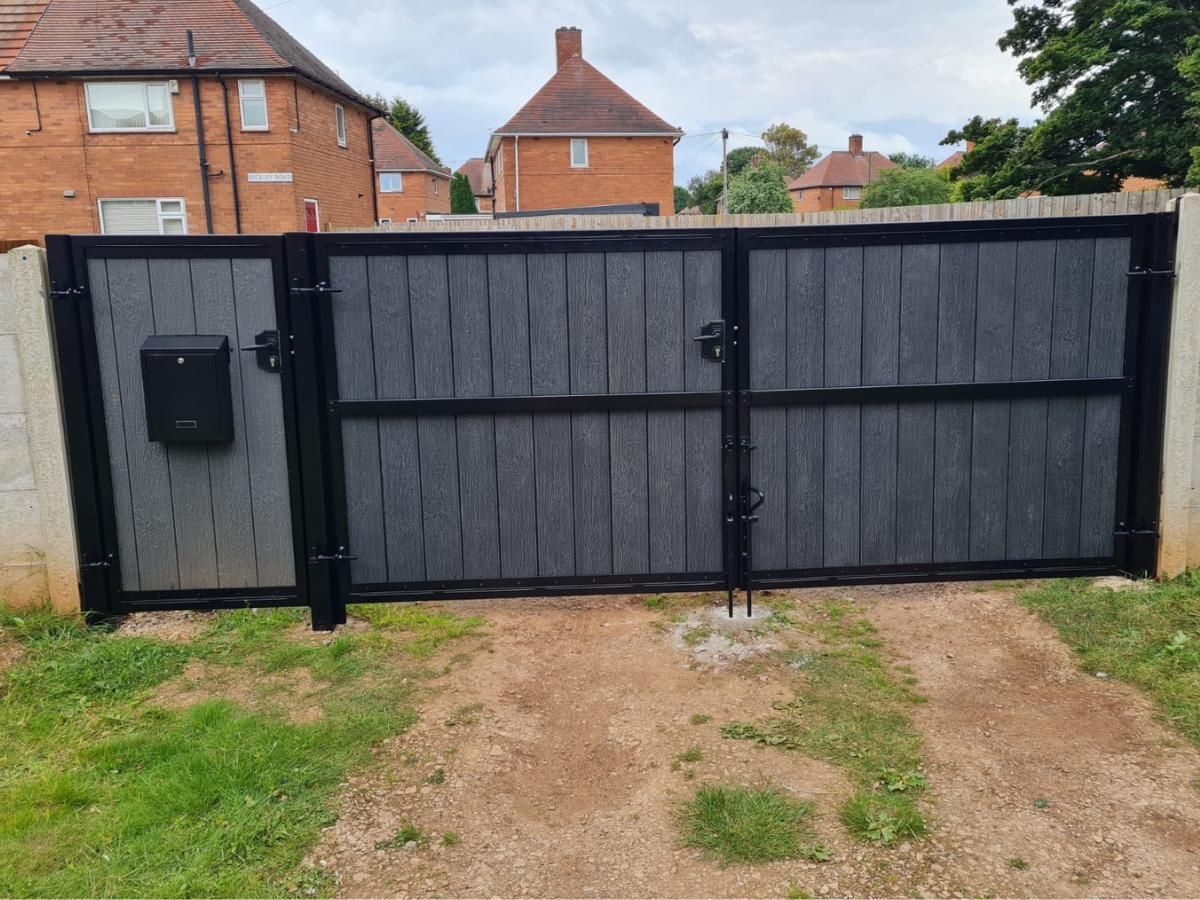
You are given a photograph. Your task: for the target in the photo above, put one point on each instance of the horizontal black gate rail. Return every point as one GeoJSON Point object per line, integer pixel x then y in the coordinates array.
{"type": "Point", "coordinates": [290, 487]}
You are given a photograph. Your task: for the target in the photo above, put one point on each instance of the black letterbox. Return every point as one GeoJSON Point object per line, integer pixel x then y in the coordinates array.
{"type": "Point", "coordinates": [185, 379]}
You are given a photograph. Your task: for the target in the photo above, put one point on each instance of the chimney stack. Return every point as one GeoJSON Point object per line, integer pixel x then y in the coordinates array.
{"type": "Point", "coordinates": [856, 144]}
{"type": "Point", "coordinates": [568, 43]}
{"type": "Point", "coordinates": [970, 146]}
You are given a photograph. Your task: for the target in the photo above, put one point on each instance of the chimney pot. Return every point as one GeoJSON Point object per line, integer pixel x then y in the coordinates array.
{"type": "Point", "coordinates": [856, 144]}
{"type": "Point", "coordinates": [568, 43]}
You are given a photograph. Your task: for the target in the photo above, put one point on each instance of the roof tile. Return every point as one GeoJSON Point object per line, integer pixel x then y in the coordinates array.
{"type": "Point", "coordinates": [841, 167]}
{"type": "Point", "coordinates": [396, 153]}
{"type": "Point", "coordinates": [580, 99]}
{"type": "Point", "coordinates": [79, 36]}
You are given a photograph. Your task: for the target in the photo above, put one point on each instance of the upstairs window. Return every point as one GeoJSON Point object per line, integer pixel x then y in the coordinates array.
{"type": "Point", "coordinates": [339, 116]}
{"type": "Point", "coordinates": [129, 106]}
{"type": "Point", "coordinates": [579, 153]}
{"type": "Point", "coordinates": [143, 216]}
{"type": "Point", "coordinates": [391, 183]}
{"type": "Point", "coordinates": [851, 193]}
{"type": "Point", "coordinates": [252, 98]}
{"type": "Point", "coordinates": [437, 185]}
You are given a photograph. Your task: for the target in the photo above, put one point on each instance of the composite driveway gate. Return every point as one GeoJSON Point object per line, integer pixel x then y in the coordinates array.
{"type": "Point", "coordinates": [507, 414]}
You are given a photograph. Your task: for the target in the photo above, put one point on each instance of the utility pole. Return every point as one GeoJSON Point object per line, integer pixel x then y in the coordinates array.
{"type": "Point", "coordinates": [724, 172]}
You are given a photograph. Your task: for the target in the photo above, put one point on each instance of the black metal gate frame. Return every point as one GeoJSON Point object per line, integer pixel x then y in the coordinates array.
{"type": "Point", "coordinates": [313, 409]}
{"type": "Point", "coordinates": [337, 552]}
{"type": "Point", "coordinates": [1142, 386]}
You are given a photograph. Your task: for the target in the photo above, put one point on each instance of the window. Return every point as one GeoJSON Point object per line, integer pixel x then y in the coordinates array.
{"type": "Point", "coordinates": [579, 153]}
{"type": "Point", "coordinates": [391, 183]}
{"type": "Point", "coordinates": [437, 185]}
{"type": "Point", "coordinates": [138, 216]}
{"type": "Point", "coordinates": [799, 195]}
{"type": "Point", "coordinates": [339, 115]}
{"type": "Point", "coordinates": [851, 193]}
{"type": "Point", "coordinates": [385, 221]}
{"type": "Point", "coordinates": [252, 97]}
{"type": "Point", "coordinates": [129, 106]}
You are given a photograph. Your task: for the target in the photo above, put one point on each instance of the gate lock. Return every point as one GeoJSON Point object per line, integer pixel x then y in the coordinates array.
{"type": "Point", "coordinates": [712, 341]}
{"type": "Point", "coordinates": [266, 350]}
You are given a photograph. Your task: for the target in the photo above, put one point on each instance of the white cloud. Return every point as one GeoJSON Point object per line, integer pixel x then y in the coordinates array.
{"type": "Point", "coordinates": [902, 74]}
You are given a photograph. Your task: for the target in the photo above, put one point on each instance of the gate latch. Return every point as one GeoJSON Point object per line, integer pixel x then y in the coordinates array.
{"type": "Point", "coordinates": [712, 341]}
{"type": "Point", "coordinates": [266, 350]}
{"type": "Point", "coordinates": [340, 556]}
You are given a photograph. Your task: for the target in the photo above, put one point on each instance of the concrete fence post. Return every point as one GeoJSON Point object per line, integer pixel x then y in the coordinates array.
{"type": "Point", "coordinates": [38, 558]}
{"type": "Point", "coordinates": [1179, 512]}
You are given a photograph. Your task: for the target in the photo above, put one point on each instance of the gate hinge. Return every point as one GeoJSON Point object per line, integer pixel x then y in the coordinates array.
{"type": "Point", "coordinates": [320, 287]}
{"type": "Point", "coordinates": [1146, 272]}
{"type": "Point", "coordinates": [340, 556]}
{"type": "Point", "coordinates": [1137, 548]}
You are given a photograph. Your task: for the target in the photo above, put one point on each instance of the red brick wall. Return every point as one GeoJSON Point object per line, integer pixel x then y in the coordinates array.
{"type": "Point", "coordinates": [620, 170]}
{"type": "Point", "coordinates": [39, 165]}
{"type": "Point", "coordinates": [821, 199]}
{"type": "Point", "coordinates": [417, 198]}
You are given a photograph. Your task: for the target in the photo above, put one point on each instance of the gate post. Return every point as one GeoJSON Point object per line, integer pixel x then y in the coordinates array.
{"type": "Point", "coordinates": [308, 362]}
{"type": "Point", "coordinates": [1179, 546]}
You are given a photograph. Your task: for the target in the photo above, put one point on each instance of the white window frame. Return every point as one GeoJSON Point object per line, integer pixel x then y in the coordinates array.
{"type": "Point", "coordinates": [170, 126]}
{"type": "Point", "coordinates": [583, 143]}
{"type": "Point", "coordinates": [399, 190]}
{"type": "Point", "coordinates": [242, 98]}
{"type": "Point", "coordinates": [339, 118]}
{"type": "Point", "coordinates": [437, 186]}
{"type": "Point", "coordinates": [851, 192]}
{"type": "Point", "coordinates": [158, 202]}
{"type": "Point", "coordinates": [385, 221]}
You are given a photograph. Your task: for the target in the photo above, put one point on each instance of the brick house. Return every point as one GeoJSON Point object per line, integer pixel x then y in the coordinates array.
{"type": "Point", "coordinates": [168, 116]}
{"type": "Point", "coordinates": [581, 141]}
{"type": "Point", "coordinates": [481, 187]}
{"type": "Point", "coordinates": [837, 180]}
{"type": "Point", "coordinates": [408, 183]}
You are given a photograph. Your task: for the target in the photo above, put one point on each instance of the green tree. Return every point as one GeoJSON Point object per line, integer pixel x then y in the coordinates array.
{"type": "Point", "coordinates": [407, 120]}
{"type": "Point", "coordinates": [911, 160]}
{"type": "Point", "coordinates": [682, 198]}
{"type": "Point", "coordinates": [759, 189]}
{"type": "Point", "coordinates": [462, 198]}
{"type": "Point", "coordinates": [907, 187]}
{"type": "Point", "coordinates": [704, 191]}
{"type": "Point", "coordinates": [789, 148]}
{"type": "Point", "coordinates": [1117, 82]}
{"type": "Point", "coordinates": [740, 157]}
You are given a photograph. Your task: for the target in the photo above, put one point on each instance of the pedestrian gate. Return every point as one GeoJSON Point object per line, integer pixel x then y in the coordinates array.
{"type": "Point", "coordinates": [436, 416]}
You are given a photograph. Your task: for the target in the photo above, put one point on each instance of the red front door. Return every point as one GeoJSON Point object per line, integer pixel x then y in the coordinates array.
{"type": "Point", "coordinates": [312, 219]}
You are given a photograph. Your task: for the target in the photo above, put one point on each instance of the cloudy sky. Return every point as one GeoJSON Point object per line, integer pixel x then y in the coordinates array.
{"type": "Point", "coordinates": [903, 74]}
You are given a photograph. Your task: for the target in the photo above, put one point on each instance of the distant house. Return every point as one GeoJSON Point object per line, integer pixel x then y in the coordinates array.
{"type": "Point", "coordinates": [837, 180]}
{"type": "Point", "coordinates": [581, 141]}
{"type": "Point", "coordinates": [475, 173]}
{"type": "Point", "coordinates": [153, 117]}
{"type": "Point", "coordinates": [956, 157]}
{"type": "Point", "coordinates": [408, 184]}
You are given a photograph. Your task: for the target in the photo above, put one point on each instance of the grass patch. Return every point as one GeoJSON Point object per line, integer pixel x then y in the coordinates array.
{"type": "Point", "coordinates": [742, 824]}
{"type": "Point", "coordinates": [882, 818]}
{"type": "Point", "coordinates": [1018, 863]}
{"type": "Point", "coordinates": [437, 776]}
{"type": "Point", "coordinates": [850, 711]}
{"type": "Point", "coordinates": [409, 834]}
{"type": "Point", "coordinates": [1148, 637]}
{"type": "Point", "coordinates": [690, 755]}
{"type": "Point", "coordinates": [700, 719]}
{"type": "Point", "coordinates": [104, 793]}
{"type": "Point", "coordinates": [464, 715]}
{"type": "Point", "coordinates": [426, 630]}
{"type": "Point", "coordinates": [697, 635]}
{"type": "Point", "coordinates": [451, 839]}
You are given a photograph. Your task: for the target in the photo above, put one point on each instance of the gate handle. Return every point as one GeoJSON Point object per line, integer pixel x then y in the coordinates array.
{"type": "Point", "coordinates": [757, 503]}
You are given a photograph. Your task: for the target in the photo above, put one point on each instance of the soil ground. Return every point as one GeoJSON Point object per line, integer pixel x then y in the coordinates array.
{"type": "Point", "coordinates": [555, 735]}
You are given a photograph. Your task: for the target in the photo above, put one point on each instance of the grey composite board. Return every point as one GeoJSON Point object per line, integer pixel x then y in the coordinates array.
{"type": "Point", "coordinates": [193, 517]}
{"type": "Point", "coordinates": [948, 481]}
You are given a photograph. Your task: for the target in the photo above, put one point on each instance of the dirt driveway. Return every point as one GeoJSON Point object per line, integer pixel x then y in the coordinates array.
{"type": "Point", "coordinates": [547, 756]}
